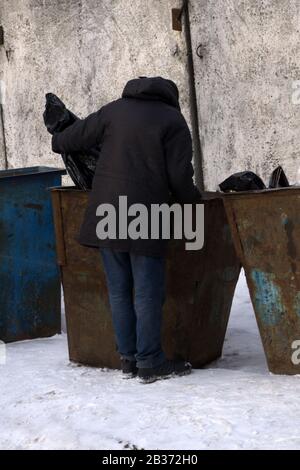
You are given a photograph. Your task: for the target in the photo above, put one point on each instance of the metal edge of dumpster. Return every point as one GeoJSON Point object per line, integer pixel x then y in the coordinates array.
{"type": "Point", "coordinates": [30, 171]}
{"type": "Point", "coordinates": [270, 291]}
{"type": "Point", "coordinates": [60, 247]}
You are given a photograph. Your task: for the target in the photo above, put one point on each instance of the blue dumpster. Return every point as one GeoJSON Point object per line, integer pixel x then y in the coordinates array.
{"type": "Point", "coordinates": [29, 277]}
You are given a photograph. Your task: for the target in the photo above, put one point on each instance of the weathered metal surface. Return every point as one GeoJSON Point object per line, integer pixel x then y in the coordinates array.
{"type": "Point", "coordinates": [266, 230]}
{"type": "Point", "coordinates": [200, 288]}
{"type": "Point", "coordinates": [29, 277]}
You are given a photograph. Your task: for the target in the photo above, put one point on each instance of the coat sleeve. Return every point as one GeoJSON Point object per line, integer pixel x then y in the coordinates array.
{"type": "Point", "coordinates": [80, 136]}
{"type": "Point", "coordinates": [178, 155]}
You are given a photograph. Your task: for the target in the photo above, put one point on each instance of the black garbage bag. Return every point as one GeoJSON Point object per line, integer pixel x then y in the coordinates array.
{"type": "Point", "coordinates": [278, 179]}
{"type": "Point", "coordinates": [80, 166]}
{"type": "Point", "coordinates": [243, 181]}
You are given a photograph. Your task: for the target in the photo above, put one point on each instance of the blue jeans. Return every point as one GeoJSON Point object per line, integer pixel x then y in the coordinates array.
{"type": "Point", "coordinates": [136, 291]}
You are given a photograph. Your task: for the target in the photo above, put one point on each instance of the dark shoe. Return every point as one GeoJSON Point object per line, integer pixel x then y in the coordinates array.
{"type": "Point", "coordinates": [129, 368]}
{"type": "Point", "coordinates": [164, 371]}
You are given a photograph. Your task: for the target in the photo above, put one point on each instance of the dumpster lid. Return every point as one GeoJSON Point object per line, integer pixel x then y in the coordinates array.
{"type": "Point", "coordinates": [31, 170]}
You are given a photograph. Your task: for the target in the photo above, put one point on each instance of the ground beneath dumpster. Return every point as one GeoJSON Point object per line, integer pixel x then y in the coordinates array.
{"type": "Point", "coordinates": [48, 403]}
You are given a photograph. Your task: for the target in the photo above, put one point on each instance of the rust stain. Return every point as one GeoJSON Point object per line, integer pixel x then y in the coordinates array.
{"type": "Point", "coordinates": [291, 246]}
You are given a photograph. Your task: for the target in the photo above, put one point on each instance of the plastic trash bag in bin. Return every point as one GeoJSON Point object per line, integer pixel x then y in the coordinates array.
{"type": "Point", "coordinates": [243, 181]}
{"type": "Point", "coordinates": [249, 181]}
{"type": "Point", "coordinates": [278, 179]}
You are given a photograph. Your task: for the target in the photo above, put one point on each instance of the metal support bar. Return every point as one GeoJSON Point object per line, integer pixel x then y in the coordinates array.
{"type": "Point", "coordinates": [193, 100]}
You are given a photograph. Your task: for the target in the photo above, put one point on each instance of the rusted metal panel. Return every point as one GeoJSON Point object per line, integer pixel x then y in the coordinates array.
{"type": "Point", "coordinates": [266, 231]}
{"type": "Point", "coordinates": [29, 277]}
{"type": "Point", "coordinates": [200, 288]}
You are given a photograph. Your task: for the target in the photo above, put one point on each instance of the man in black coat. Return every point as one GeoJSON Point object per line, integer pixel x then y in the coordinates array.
{"type": "Point", "coordinates": [146, 155]}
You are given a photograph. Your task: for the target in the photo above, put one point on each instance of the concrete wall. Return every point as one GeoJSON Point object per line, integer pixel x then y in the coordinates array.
{"type": "Point", "coordinates": [84, 51]}
{"type": "Point", "coordinates": [250, 59]}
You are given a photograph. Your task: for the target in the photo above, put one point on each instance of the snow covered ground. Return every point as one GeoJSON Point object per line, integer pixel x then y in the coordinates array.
{"type": "Point", "coordinates": [48, 403]}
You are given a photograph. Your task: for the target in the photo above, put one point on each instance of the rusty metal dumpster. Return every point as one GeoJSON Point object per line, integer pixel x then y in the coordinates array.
{"type": "Point", "coordinates": [266, 230]}
{"type": "Point", "coordinates": [200, 288]}
{"type": "Point", "coordinates": [29, 277]}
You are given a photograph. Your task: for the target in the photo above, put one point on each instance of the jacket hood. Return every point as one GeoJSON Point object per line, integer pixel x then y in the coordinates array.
{"type": "Point", "coordinates": [153, 88]}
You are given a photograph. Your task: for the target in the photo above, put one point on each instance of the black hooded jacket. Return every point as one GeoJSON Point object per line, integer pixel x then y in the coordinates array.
{"type": "Point", "coordinates": [146, 154]}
